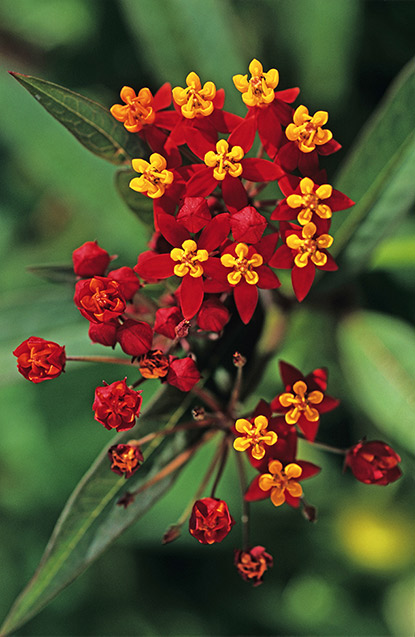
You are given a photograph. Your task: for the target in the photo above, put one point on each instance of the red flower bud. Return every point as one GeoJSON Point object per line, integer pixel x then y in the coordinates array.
{"type": "Point", "coordinates": [210, 520]}
{"type": "Point", "coordinates": [373, 462]}
{"type": "Point", "coordinates": [125, 459]}
{"type": "Point", "coordinates": [128, 280]}
{"type": "Point", "coordinates": [167, 319]}
{"type": "Point", "coordinates": [103, 333]}
{"type": "Point", "coordinates": [252, 564]}
{"type": "Point", "coordinates": [90, 260]}
{"type": "Point", "coordinates": [248, 225]}
{"type": "Point", "coordinates": [116, 406]}
{"type": "Point", "coordinates": [182, 373]}
{"type": "Point", "coordinates": [135, 337]}
{"type": "Point", "coordinates": [99, 299]}
{"type": "Point", "coordinates": [194, 213]}
{"type": "Point", "coordinates": [39, 360]}
{"type": "Point", "coordinates": [212, 316]}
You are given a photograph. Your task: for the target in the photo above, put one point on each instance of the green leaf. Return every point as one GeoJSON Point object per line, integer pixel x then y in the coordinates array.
{"type": "Point", "coordinates": [141, 205]}
{"type": "Point", "coordinates": [92, 520]}
{"type": "Point", "coordinates": [91, 124]}
{"type": "Point", "coordinates": [54, 273]}
{"type": "Point", "coordinates": [377, 354]}
{"type": "Point", "coordinates": [378, 175]}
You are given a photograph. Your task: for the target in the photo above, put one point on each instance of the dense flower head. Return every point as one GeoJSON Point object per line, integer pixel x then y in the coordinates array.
{"type": "Point", "coordinates": [253, 563]}
{"type": "Point", "coordinates": [125, 459]}
{"type": "Point", "coordinates": [210, 520]}
{"type": "Point", "coordinates": [90, 260]}
{"type": "Point", "coordinates": [225, 161]}
{"type": "Point", "coordinates": [39, 360]}
{"type": "Point", "coordinates": [117, 406]}
{"type": "Point", "coordinates": [99, 299]}
{"type": "Point", "coordinates": [373, 462]}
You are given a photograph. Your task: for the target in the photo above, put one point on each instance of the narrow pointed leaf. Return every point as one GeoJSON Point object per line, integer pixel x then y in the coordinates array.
{"type": "Point", "coordinates": [377, 354]}
{"type": "Point", "coordinates": [91, 519]}
{"type": "Point", "coordinates": [139, 204]}
{"type": "Point", "coordinates": [92, 124]}
{"type": "Point", "coordinates": [378, 175]}
{"type": "Point", "coordinates": [54, 273]}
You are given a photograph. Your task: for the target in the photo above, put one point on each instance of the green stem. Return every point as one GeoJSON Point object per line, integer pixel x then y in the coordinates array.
{"type": "Point", "coordinates": [245, 504]}
{"type": "Point", "coordinates": [224, 448]}
{"type": "Point", "coordinates": [100, 359]}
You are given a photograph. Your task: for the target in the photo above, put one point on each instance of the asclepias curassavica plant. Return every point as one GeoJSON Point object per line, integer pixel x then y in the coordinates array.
{"type": "Point", "coordinates": [236, 204]}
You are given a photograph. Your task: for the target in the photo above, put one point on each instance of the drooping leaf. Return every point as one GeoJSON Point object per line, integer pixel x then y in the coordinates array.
{"type": "Point", "coordinates": [91, 124]}
{"type": "Point", "coordinates": [140, 205]}
{"type": "Point", "coordinates": [378, 175]}
{"type": "Point", "coordinates": [377, 353]}
{"type": "Point", "coordinates": [91, 519]}
{"type": "Point", "coordinates": [54, 273]}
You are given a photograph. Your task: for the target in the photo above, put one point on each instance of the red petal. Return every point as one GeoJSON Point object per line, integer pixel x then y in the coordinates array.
{"type": "Point", "coordinates": [293, 502]}
{"type": "Point", "coordinates": [269, 131]}
{"type": "Point", "coordinates": [244, 134]}
{"type": "Point", "coordinates": [234, 194]}
{"type": "Point", "coordinates": [219, 99]}
{"type": "Point", "coordinates": [267, 279]}
{"type": "Point", "coordinates": [159, 266]}
{"type": "Point", "coordinates": [246, 299]}
{"type": "Point", "coordinates": [282, 259]}
{"type": "Point", "coordinates": [213, 268]}
{"type": "Point", "coordinates": [288, 184]}
{"type": "Point", "coordinates": [191, 295]}
{"type": "Point", "coordinates": [171, 230]}
{"type": "Point", "coordinates": [330, 147]}
{"type": "Point", "coordinates": [317, 379]}
{"type": "Point", "coordinates": [283, 212]}
{"type": "Point", "coordinates": [162, 98]}
{"type": "Point", "coordinates": [215, 232]}
{"type": "Point", "coordinates": [267, 245]}
{"type": "Point", "coordinates": [194, 213]}
{"type": "Point", "coordinates": [198, 141]}
{"type": "Point", "coordinates": [254, 492]}
{"type": "Point", "coordinates": [308, 428]}
{"type": "Point", "coordinates": [308, 164]}
{"type": "Point", "coordinates": [330, 265]}
{"type": "Point", "coordinates": [289, 374]}
{"type": "Point", "coordinates": [288, 95]}
{"type": "Point", "coordinates": [202, 183]}
{"type": "Point", "coordinates": [309, 469]}
{"type": "Point", "coordinates": [302, 280]}
{"type": "Point", "coordinates": [248, 225]}
{"type": "Point", "coordinates": [327, 404]}
{"type": "Point", "coordinates": [288, 157]}
{"type": "Point", "coordinates": [262, 409]}
{"type": "Point", "coordinates": [260, 169]}
{"type": "Point", "coordinates": [339, 201]}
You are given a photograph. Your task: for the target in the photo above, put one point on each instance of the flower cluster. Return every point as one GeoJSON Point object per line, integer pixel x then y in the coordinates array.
{"type": "Point", "coordinates": [216, 245]}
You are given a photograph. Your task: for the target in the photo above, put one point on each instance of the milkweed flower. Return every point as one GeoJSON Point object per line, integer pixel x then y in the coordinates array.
{"type": "Point", "coordinates": [210, 520]}
{"type": "Point", "coordinates": [39, 360]}
{"type": "Point", "coordinates": [304, 399]}
{"type": "Point", "coordinates": [254, 436]}
{"type": "Point", "coordinates": [90, 259]}
{"type": "Point", "coordinates": [116, 406]}
{"type": "Point", "coordinates": [125, 459]}
{"type": "Point", "coordinates": [99, 299]}
{"type": "Point", "coordinates": [252, 564]}
{"type": "Point", "coordinates": [154, 177]}
{"type": "Point", "coordinates": [307, 201]}
{"type": "Point", "coordinates": [373, 462]}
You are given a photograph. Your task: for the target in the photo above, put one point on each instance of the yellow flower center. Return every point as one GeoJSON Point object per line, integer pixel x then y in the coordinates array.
{"type": "Point", "coordinates": [310, 201]}
{"type": "Point", "coordinates": [307, 247]}
{"type": "Point", "coordinates": [280, 479]}
{"type": "Point", "coordinates": [307, 131]}
{"type": "Point", "coordinates": [242, 267]}
{"type": "Point", "coordinates": [155, 178]}
{"type": "Point", "coordinates": [255, 436]}
{"type": "Point", "coordinates": [189, 258]}
{"type": "Point", "coordinates": [300, 401]}
{"type": "Point", "coordinates": [259, 90]}
{"type": "Point", "coordinates": [224, 161]}
{"type": "Point", "coordinates": [194, 100]}
{"type": "Point", "coordinates": [138, 111]}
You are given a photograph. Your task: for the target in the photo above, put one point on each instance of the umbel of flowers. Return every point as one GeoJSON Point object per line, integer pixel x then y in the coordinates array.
{"type": "Point", "coordinates": [216, 245]}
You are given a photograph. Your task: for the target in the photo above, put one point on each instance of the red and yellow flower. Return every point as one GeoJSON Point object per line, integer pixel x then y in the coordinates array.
{"type": "Point", "coordinates": [39, 360]}
{"type": "Point", "coordinates": [125, 459]}
{"type": "Point", "coordinates": [210, 520]}
{"type": "Point", "coordinates": [373, 462]}
{"type": "Point", "coordinates": [252, 564]}
{"type": "Point", "coordinates": [116, 406]}
{"type": "Point", "coordinates": [255, 436]}
{"type": "Point", "coordinates": [99, 299]}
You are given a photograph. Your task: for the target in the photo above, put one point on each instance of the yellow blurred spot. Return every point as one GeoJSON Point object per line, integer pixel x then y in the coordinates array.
{"type": "Point", "coordinates": [376, 542]}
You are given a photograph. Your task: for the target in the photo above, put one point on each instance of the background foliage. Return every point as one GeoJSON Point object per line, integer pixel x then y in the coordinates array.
{"type": "Point", "coordinates": [352, 573]}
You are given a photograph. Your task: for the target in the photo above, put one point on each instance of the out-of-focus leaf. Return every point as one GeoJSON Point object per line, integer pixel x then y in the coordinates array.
{"type": "Point", "coordinates": [140, 205]}
{"type": "Point", "coordinates": [92, 520]}
{"type": "Point", "coordinates": [173, 46]}
{"type": "Point", "coordinates": [378, 175]}
{"type": "Point", "coordinates": [394, 253]}
{"type": "Point", "coordinates": [377, 353]}
{"type": "Point", "coordinates": [54, 273]}
{"type": "Point", "coordinates": [91, 124]}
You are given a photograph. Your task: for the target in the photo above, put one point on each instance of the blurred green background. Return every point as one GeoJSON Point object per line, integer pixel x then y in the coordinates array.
{"type": "Point", "coordinates": [352, 572]}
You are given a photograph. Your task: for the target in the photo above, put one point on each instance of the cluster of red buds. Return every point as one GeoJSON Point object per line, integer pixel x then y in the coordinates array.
{"type": "Point", "coordinates": [216, 245]}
